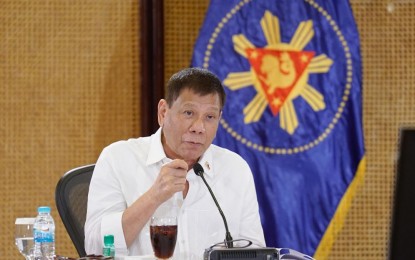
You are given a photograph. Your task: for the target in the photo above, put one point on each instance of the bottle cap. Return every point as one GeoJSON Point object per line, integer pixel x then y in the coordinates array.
{"type": "Point", "coordinates": [43, 209]}
{"type": "Point", "coordinates": [108, 240]}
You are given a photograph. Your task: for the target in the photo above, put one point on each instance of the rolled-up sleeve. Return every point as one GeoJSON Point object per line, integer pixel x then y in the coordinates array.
{"type": "Point", "coordinates": [112, 224]}
{"type": "Point", "coordinates": [106, 205]}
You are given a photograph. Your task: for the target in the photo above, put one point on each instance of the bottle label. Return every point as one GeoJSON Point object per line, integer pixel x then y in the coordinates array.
{"type": "Point", "coordinates": [42, 236]}
{"type": "Point", "coordinates": [108, 251]}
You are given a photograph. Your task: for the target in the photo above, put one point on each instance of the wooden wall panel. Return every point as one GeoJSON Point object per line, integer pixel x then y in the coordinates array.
{"type": "Point", "coordinates": [68, 87]}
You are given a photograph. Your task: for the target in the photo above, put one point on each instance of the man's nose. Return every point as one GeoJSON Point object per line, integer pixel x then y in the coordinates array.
{"type": "Point", "coordinates": [198, 126]}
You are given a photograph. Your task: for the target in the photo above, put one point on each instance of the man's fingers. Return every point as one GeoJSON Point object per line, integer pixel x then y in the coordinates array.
{"type": "Point", "coordinates": [172, 179]}
{"type": "Point", "coordinates": [177, 168]}
{"type": "Point", "coordinates": [177, 164]}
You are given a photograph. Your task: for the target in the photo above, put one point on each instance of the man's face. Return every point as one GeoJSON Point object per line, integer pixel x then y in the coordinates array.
{"type": "Point", "coordinates": [189, 125]}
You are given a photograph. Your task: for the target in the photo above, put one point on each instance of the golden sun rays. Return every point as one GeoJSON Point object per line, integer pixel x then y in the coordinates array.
{"type": "Point", "coordinates": [299, 88]}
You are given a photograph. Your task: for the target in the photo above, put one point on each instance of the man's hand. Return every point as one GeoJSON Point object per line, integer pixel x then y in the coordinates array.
{"type": "Point", "coordinates": [171, 179]}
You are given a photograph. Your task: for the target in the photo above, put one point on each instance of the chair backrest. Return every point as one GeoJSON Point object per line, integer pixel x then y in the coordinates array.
{"type": "Point", "coordinates": [71, 198]}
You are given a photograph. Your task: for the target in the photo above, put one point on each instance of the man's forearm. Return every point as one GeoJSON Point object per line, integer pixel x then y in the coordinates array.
{"type": "Point", "coordinates": [136, 216]}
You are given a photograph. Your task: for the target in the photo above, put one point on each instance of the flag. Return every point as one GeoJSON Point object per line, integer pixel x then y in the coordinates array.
{"type": "Point", "coordinates": [292, 74]}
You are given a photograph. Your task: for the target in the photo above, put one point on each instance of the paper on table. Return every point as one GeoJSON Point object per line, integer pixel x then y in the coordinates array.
{"type": "Point", "coordinates": [144, 257]}
{"type": "Point", "coordinates": [24, 221]}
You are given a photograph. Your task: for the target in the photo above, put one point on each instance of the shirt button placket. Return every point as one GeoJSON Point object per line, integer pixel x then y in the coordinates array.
{"type": "Point", "coordinates": [183, 231]}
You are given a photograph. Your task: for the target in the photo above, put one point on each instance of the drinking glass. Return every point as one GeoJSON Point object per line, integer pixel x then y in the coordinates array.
{"type": "Point", "coordinates": [163, 234]}
{"type": "Point", "coordinates": [24, 236]}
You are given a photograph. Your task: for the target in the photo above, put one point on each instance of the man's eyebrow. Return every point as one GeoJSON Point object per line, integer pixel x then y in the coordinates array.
{"type": "Point", "coordinates": [188, 105]}
{"type": "Point", "coordinates": [191, 105]}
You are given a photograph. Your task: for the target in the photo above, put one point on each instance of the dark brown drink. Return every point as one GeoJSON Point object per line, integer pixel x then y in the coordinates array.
{"type": "Point", "coordinates": [163, 240]}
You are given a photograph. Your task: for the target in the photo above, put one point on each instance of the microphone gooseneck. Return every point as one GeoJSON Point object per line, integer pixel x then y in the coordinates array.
{"type": "Point", "coordinates": [198, 169]}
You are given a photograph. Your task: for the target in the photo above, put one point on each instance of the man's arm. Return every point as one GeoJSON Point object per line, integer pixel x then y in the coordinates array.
{"type": "Point", "coordinates": [172, 179]}
{"type": "Point", "coordinates": [107, 209]}
{"type": "Point", "coordinates": [105, 205]}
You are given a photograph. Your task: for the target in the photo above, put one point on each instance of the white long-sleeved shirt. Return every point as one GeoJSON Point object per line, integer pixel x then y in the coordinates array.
{"type": "Point", "coordinates": [125, 170]}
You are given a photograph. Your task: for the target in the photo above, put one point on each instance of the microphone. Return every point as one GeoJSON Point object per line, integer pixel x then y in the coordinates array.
{"type": "Point", "coordinates": [198, 169]}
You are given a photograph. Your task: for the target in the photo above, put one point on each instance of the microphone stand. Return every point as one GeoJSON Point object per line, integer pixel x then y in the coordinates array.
{"type": "Point", "coordinates": [228, 237]}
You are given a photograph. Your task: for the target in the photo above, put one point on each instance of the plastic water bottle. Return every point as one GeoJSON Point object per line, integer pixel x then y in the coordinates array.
{"type": "Point", "coordinates": [108, 249]}
{"type": "Point", "coordinates": [44, 235]}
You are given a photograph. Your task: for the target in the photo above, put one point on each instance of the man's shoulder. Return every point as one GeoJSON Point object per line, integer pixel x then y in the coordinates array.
{"type": "Point", "coordinates": [129, 141]}
{"type": "Point", "coordinates": [132, 144]}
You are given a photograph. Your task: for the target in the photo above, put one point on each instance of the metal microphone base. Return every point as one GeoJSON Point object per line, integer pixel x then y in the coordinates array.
{"type": "Point", "coordinates": [252, 253]}
{"type": "Point", "coordinates": [266, 253]}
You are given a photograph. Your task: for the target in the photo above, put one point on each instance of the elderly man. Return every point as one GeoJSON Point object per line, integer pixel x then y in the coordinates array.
{"type": "Point", "coordinates": [138, 178]}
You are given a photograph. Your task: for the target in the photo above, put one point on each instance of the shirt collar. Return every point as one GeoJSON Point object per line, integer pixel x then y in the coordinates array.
{"type": "Point", "coordinates": [156, 154]}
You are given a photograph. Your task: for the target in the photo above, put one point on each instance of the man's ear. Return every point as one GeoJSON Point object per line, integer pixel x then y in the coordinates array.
{"type": "Point", "coordinates": [161, 111]}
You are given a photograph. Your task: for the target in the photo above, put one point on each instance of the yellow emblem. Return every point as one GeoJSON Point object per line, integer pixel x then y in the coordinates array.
{"type": "Point", "coordinates": [279, 73]}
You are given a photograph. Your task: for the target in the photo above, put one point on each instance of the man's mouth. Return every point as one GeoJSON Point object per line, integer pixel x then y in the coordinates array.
{"type": "Point", "coordinates": [194, 142]}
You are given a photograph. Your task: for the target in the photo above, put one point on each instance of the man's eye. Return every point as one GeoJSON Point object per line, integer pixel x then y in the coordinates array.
{"type": "Point", "coordinates": [188, 113]}
{"type": "Point", "coordinates": [211, 117]}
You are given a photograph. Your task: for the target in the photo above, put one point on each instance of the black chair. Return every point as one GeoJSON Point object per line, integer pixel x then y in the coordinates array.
{"type": "Point", "coordinates": [71, 197]}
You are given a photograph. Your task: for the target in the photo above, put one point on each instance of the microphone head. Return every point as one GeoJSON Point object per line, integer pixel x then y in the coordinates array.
{"type": "Point", "coordinates": [198, 169]}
